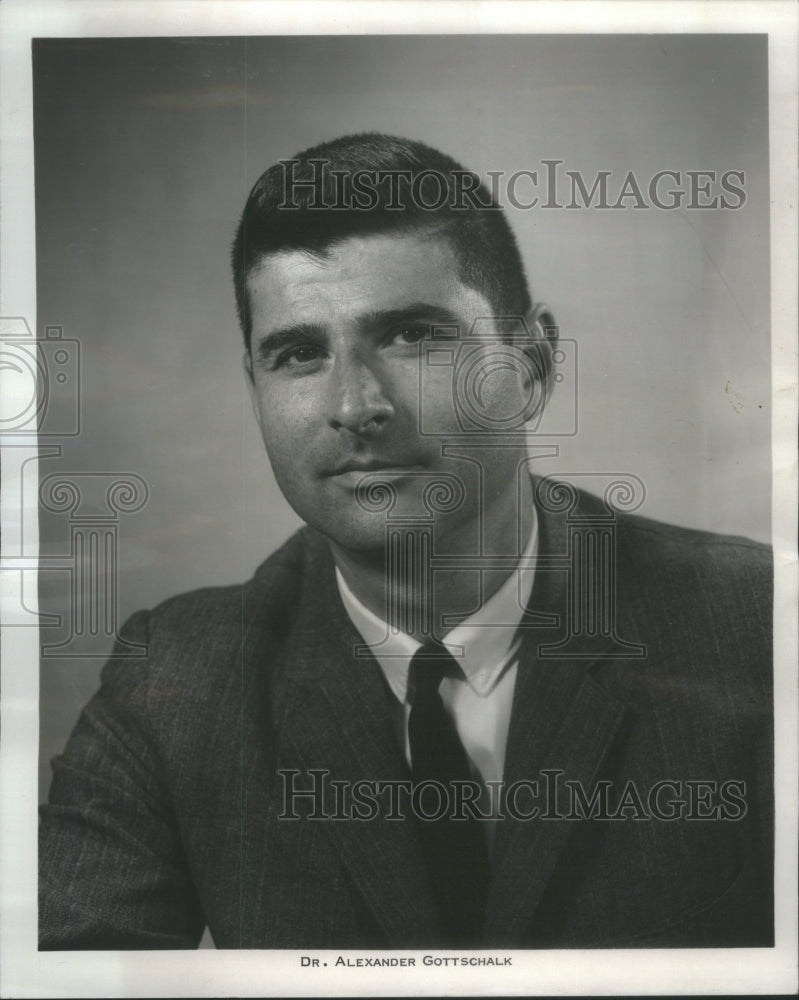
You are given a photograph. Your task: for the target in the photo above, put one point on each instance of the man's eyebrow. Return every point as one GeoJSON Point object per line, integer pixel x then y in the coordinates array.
{"type": "Point", "coordinates": [289, 336]}
{"type": "Point", "coordinates": [315, 333]}
{"type": "Point", "coordinates": [414, 313]}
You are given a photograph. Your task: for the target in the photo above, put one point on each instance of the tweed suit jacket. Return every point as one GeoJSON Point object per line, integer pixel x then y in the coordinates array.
{"type": "Point", "coordinates": [167, 810]}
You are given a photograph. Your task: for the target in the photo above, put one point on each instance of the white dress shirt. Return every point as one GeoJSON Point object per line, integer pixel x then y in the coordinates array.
{"type": "Point", "coordinates": [486, 645]}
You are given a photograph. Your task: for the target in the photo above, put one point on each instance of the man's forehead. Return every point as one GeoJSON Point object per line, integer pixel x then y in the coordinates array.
{"type": "Point", "coordinates": [358, 274]}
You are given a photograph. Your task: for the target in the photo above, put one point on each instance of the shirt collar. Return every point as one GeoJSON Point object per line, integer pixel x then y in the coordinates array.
{"type": "Point", "coordinates": [484, 644]}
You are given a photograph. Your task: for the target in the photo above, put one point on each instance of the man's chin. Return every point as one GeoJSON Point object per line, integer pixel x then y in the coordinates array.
{"type": "Point", "coordinates": [369, 535]}
{"type": "Point", "coordinates": [363, 539]}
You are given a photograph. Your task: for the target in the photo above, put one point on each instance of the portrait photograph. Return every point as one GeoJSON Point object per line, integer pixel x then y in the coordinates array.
{"type": "Point", "coordinates": [399, 529]}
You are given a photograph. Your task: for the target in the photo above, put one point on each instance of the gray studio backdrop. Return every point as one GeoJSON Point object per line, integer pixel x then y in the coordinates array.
{"type": "Point", "coordinates": [145, 151]}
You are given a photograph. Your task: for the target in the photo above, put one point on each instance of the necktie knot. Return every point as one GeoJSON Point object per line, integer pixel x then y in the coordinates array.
{"type": "Point", "coordinates": [430, 664]}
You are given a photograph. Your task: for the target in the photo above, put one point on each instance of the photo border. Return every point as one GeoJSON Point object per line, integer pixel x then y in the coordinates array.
{"type": "Point", "coordinates": [26, 972]}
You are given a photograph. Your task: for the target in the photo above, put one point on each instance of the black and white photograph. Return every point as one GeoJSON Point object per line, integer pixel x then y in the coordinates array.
{"type": "Point", "coordinates": [401, 431]}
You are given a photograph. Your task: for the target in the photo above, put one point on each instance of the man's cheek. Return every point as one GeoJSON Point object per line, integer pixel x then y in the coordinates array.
{"type": "Point", "coordinates": [436, 411]}
{"type": "Point", "coordinates": [286, 461]}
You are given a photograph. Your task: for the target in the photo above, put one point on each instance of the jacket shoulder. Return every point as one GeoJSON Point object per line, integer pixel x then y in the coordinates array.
{"type": "Point", "coordinates": [660, 533]}
{"type": "Point", "coordinates": [274, 586]}
{"type": "Point", "coordinates": [656, 541]}
{"type": "Point", "coordinates": [718, 563]}
{"type": "Point", "coordinates": [199, 631]}
{"type": "Point", "coordinates": [699, 601]}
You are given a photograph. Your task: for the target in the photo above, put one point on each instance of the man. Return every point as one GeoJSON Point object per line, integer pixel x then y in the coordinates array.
{"type": "Point", "coordinates": [463, 707]}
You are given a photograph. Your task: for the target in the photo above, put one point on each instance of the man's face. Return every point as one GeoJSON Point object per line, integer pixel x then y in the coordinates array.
{"type": "Point", "coordinates": [337, 366]}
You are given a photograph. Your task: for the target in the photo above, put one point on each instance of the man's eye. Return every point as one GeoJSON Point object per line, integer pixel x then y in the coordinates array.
{"type": "Point", "coordinates": [411, 333]}
{"type": "Point", "coordinates": [298, 356]}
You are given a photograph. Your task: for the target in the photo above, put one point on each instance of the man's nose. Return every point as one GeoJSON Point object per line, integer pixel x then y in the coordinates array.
{"type": "Point", "coordinates": [359, 401]}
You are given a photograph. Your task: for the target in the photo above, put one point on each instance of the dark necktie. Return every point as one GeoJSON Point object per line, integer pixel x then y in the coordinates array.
{"type": "Point", "coordinates": [455, 849]}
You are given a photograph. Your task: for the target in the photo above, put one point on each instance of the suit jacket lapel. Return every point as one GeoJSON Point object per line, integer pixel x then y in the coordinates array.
{"type": "Point", "coordinates": [561, 720]}
{"type": "Point", "coordinates": [338, 718]}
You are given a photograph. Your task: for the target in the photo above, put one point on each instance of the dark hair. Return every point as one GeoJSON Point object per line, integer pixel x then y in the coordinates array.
{"type": "Point", "coordinates": [374, 183]}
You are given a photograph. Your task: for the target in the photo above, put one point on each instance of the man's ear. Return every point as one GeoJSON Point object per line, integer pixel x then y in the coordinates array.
{"type": "Point", "coordinates": [250, 380]}
{"type": "Point", "coordinates": [541, 323]}
{"type": "Point", "coordinates": [543, 336]}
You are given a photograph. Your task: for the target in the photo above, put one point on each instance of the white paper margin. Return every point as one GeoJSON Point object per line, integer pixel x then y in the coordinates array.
{"type": "Point", "coordinates": [24, 972]}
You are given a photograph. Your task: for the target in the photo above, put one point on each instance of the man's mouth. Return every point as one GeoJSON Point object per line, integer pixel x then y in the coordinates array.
{"type": "Point", "coordinates": [353, 471]}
